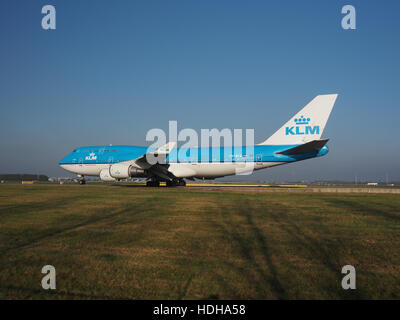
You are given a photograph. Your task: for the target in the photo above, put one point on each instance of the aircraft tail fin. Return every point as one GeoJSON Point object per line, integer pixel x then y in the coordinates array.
{"type": "Point", "coordinates": [307, 125]}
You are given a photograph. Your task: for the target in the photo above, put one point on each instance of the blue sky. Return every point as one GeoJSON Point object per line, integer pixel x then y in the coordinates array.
{"type": "Point", "coordinates": [112, 70]}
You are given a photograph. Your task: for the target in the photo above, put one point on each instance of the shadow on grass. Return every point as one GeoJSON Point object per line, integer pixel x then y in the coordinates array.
{"type": "Point", "coordinates": [28, 207]}
{"type": "Point", "coordinates": [183, 290]}
{"type": "Point", "coordinates": [366, 209]}
{"type": "Point", "coordinates": [29, 293]}
{"type": "Point", "coordinates": [322, 250]}
{"type": "Point", "coordinates": [243, 242]}
{"type": "Point", "coordinates": [250, 246]}
{"type": "Point", "coordinates": [56, 230]}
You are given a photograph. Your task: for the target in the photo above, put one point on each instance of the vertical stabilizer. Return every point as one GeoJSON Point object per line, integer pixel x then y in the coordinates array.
{"type": "Point", "coordinates": [307, 125]}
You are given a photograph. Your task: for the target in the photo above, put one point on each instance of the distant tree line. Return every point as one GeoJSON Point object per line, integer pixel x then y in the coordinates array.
{"type": "Point", "coordinates": [20, 177]}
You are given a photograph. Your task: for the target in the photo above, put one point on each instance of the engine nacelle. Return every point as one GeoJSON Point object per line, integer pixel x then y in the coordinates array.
{"type": "Point", "coordinates": [123, 171]}
{"type": "Point", "coordinates": [105, 175]}
{"type": "Point", "coordinates": [120, 171]}
{"type": "Point", "coordinates": [137, 173]}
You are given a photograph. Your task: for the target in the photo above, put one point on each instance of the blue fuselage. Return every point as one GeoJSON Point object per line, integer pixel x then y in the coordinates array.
{"type": "Point", "coordinates": [116, 154]}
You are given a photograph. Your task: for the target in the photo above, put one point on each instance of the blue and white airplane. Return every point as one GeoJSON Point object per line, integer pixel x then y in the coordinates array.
{"type": "Point", "coordinates": [296, 140]}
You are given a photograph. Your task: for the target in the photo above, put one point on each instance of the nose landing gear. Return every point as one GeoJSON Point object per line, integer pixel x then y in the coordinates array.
{"type": "Point", "coordinates": [81, 179]}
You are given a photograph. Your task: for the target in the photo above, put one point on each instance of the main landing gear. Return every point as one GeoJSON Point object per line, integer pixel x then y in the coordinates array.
{"type": "Point", "coordinates": [173, 183]}
{"type": "Point", "coordinates": [152, 183]}
{"type": "Point", "coordinates": [176, 183]}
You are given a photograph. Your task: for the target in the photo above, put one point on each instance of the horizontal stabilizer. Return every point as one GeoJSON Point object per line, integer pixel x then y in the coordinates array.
{"type": "Point", "coordinates": [310, 147]}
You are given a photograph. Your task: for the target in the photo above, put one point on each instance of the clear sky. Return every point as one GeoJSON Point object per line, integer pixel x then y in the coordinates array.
{"type": "Point", "coordinates": [112, 70]}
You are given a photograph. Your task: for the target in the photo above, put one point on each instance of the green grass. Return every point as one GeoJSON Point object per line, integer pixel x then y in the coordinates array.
{"type": "Point", "coordinates": [122, 242]}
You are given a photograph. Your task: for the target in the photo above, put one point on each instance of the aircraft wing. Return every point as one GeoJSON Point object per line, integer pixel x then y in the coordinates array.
{"type": "Point", "coordinates": [313, 146]}
{"type": "Point", "coordinates": [159, 169]}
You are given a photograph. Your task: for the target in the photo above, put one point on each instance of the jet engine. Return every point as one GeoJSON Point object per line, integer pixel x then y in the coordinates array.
{"type": "Point", "coordinates": [123, 171]}
{"type": "Point", "coordinates": [105, 175]}
{"type": "Point", "coordinates": [137, 173]}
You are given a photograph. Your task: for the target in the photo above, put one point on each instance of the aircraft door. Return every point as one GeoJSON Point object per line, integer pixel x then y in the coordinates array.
{"type": "Point", "coordinates": [259, 159]}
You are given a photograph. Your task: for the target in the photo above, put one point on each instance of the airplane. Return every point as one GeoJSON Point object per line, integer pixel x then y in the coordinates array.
{"type": "Point", "coordinates": [297, 140]}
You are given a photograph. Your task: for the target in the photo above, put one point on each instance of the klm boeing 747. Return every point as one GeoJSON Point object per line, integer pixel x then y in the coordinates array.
{"type": "Point", "coordinates": [296, 140]}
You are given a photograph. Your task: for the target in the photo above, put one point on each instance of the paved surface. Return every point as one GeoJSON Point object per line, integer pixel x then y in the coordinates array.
{"type": "Point", "coordinates": [295, 188]}
{"type": "Point", "coordinates": [252, 187]}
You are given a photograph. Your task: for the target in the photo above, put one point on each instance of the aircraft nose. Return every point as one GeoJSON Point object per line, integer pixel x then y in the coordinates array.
{"type": "Point", "coordinates": [61, 165]}
{"type": "Point", "coordinates": [63, 161]}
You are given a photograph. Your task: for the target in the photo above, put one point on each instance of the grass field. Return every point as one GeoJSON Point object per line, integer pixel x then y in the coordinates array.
{"type": "Point", "coordinates": [122, 242]}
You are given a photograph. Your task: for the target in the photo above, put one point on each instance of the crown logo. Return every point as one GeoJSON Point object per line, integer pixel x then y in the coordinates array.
{"type": "Point", "coordinates": [302, 120]}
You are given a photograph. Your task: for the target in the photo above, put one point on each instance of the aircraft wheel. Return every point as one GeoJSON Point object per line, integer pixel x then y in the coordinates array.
{"type": "Point", "coordinates": [82, 181]}
{"type": "Point", "coordinates": [152, 183]}
{"type": "Point", "coordinates": [182, 183]}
